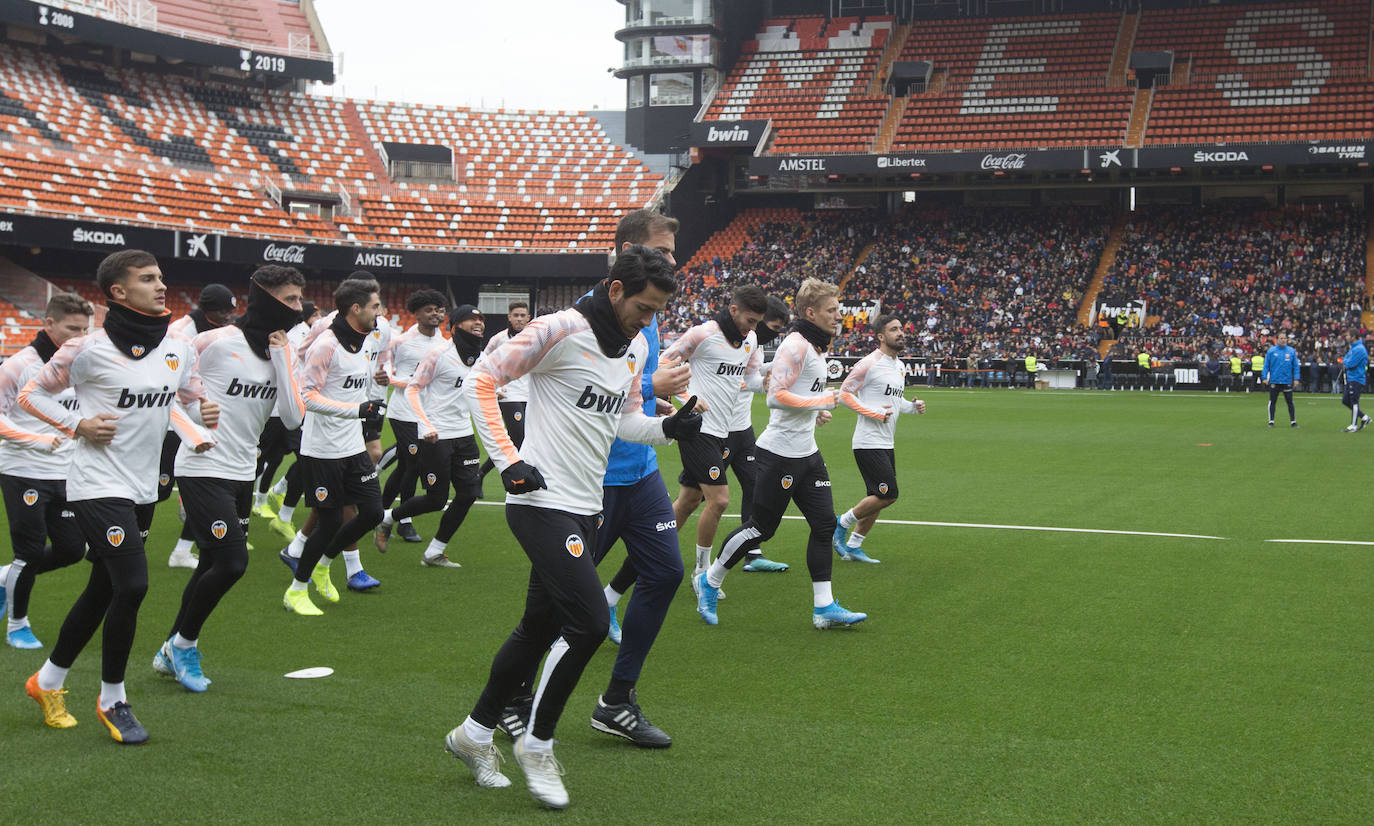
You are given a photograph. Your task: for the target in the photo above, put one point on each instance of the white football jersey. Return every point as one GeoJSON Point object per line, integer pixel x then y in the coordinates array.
{"type": "Point", "coordinates": [145, 394]}
{"type": "Point", "coordinates": [580, 401]}
{"type": "Point", "coordinates": [517, 390]}
{"type": "Point", "coordinates": [718, 372]}
{"type": "Point", "coordinates": [333, 383]}
{"type": "Point", "coordinates": [875, 382]}
{"type": "Point", "coordinates": [26, 440]}
{"type": "Point", "coordinates": [436, 394]}
{"type": "Point", "coordinates": [248, 391]}
{"type": "Point", "coordinates": [407, 350]}
{"type": "Point", "coordinates": [796, 393]}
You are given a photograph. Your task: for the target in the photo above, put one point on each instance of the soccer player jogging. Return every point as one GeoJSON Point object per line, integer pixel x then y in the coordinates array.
{"type": "Point", "coordinates": [1356, 364]}
{"type": "Point", "coordinates": [334, 379]}
{"type": "Point", "coordinates": [130, 378]}
{"type": "Point", "coordinates": [35, 460]}
{"type": "Point", "coordinates": [447, 448]}
{"type": "Point", "coordinates": [788, 462]}
{"type": "Point", "coordinates": [246, 368]}
{"type": "Point", "coordinates": [874, 389]}
{"type": "Point", "coordinates": [584, 366]}
{"type": "Point", "coordinates": [277, 442]}
{"type": "Point", "coordinates": [213, 309]}
{"type": "Point", "coordinates": [407, 350]}
{"type": "Point", "coordinates": [515, 395]}
{"type": "Point", "coordinates": [723, 354]}
{"type": "Point", "coordinates": [1281, 370]}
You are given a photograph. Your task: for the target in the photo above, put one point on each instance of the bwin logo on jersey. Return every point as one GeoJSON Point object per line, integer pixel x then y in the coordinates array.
{"type": "Point", "coordinates": [787, 482]}
{"type": "Point", "coordinates": [602, 404]}
{"type": "Point", "coordinates": [818, 385]}
{"type": "Point", "coordinates": [153, 399]}
{"type": "Point", "coordinates": [218, 529]}
{"type": "Point", "coordinates": [173, 361]}
{"type": "Point", "coordinates": [321, 493]}
{"type": "Point", "coordinates": [114, 535]}
{"type": "Point", "coordinates": [248, 390]}
{"type": "Point", "coordinates": [354, 382]}
{"type": "Point", "coordinates": [574, 545]}
{"type": "Point", "coordinates": [30, 497]}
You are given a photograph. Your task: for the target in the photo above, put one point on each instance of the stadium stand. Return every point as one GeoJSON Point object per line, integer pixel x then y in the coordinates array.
{"type": "Point", "coordinates": [811, 77]}
{"type": "Point", "coordinates": [1277, 72]}
{"type": "Point", "coordinates": [270, 24]}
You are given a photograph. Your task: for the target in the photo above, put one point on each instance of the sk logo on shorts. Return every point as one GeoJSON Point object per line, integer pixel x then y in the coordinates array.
{"type": "Point", "coordinates": [632, 362]}
{"type": "Point", "coordinates": [412, 448]}
{"type": "Point", "coordinates": [714, 473]}
{"type": "Point", "coordinates": [218, 529]}
{"type": "Point", "coordinates": [30, 497]}
{"type": "Point", "coordinates": [574, 545]}
{"type": "Point", "coordinates": [173, 361]}
{"type": "Point", "coordinates": [163, 479]}
{"type": "Point", "coordinates": [137, 350]}
{"type": "Point", "coordinates": [115, 536]}
{"type": "Point", "coordinates": [429, 478]}
{"type": "Point", "coordinates": [787, 482]}
{"type": "Point", "coordinates": [321, 493]}
{"type": "Point", "coordinates": [882, 487]}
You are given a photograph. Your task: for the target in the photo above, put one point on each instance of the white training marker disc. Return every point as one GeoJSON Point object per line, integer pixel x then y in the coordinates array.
{"type": "Point", "coordinates": [310, 673]}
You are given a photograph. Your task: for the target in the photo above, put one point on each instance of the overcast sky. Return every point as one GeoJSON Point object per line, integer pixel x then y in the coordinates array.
{"type": "Point", "coordinates": [535, 54]}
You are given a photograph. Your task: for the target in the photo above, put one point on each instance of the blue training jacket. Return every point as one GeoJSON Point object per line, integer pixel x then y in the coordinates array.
{"type": "Point", "coordinates": [1281, 365]}
{"type": "Point", "coordinates": [630, 461]}
{"type": "Point", "coordinates": [1356, 363]}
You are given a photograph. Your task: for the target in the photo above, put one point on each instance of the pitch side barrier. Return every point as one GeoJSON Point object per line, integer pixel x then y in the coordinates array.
{"type": "Point", "coordinates": [1079, 373]}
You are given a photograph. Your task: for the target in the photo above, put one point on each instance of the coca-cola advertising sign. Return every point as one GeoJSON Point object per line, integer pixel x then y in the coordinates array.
{"type": "Point", "coordinates": [1013, 160]}
{"type": "Point", "coordinates": [292, 254]}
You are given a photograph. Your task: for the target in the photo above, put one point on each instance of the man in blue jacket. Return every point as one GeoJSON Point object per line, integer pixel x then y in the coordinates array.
{"type": "Point", "coordinates": [1281, 373]}
{"type": "Point", "coordinates": [1356, 364]}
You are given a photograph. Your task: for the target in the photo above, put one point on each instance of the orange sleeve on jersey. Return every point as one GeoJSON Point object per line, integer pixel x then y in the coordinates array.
{"type": "Point", "coordinates": [854, 382]}
{"type": "Point", "coordinates": [293, 386]}
{"type": "Point", "coordinates": [488, 408]}
{"type": "Point", "coordinates": [852, 402]}
{"type": "Point", "coordinates": [687, 343]}
{"type": "Point", "coordinates": [787, 365]}
{"type": "Point", "coordinates": [10, 372]}
{"type": "Point", "coordinates": [52, 379]}
{"type": "Point", "coordinates": [313, 374]}
{"type": "Point", "coordinates": [424, 374]}
{"type": "Point", "coordinates": [185, 428]}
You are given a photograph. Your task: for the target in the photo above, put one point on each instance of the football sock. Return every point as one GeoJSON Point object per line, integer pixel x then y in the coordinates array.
{"type": "Point", "coordinates": [297, 546]}
{"type": "Point", "coordinates": [353, 562]}
{"type": "Point", "coordinates": [479, 733]}
{"type": "Point", "coordinates": [298, 586]}
{"type": "Point", "coordinates": [259, 499]}
{"type": "Point", "coordinates": [703, 556]}
{"type": "Point", "coordinates": [856, 540]}
{"type": "Point", "coordinates": [183, 546]}
{"type": "Point", "coordinates": [820, 594]}
{"type": "Point", "coordinates": [179, 641]}
{"type": "Point", "coordinates": [279, 487]}
{"type": "Point", "coordinates": [50, 677]}
{"type": "Point", "coordinates": [286, 512]}
{"type": "Point", "coordinates": [617, 692]}
{"type": "Point", "coordinates": [18, 623]}
{"type": "Point", "coordinates": [534, 744]}
{"type": "Point", "coordinates": [111, 693]}
{"type": "Point", "coordinates": [435, 548]}
{"type": "Point", "coordinates": [386, 518]}
{"type": "Point", "coordinates": [715, 575]}
{"type": "Point", "coordinates": [847, 519]}
{"type": "Point", "coordinates": [612, 596]}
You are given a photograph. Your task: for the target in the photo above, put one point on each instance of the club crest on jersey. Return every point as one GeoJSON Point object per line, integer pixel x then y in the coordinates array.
{"type": "Point", "coordinates": [714, 473]}
{"type": "Point", "coordinates": [30, 497]}
{"type": "Point", "coordinates": [164, 479]}
{"type": "Point", "coordinates": [632, 361]}
{"type": "Point", "coordinates": [321, 493]}
{"type": "Point", "coordinates": [882, 487]}
{"type": "Point", "coordinates": [574, 545]}
{"type": "Point", "coordinates": [137, 350]}
{"type": "Point", "coordinates": [218, 529]}
{"type": "Point", "coordinates": [430, 478]}
{"type": "Point", "coordinates": [412, 448]}
{"type": "Point", "coordinates": [173, 361]}
{"type": "Point", "coordinates": [115, 536]}
{"type": "Point", "coordinates": [787, 482]}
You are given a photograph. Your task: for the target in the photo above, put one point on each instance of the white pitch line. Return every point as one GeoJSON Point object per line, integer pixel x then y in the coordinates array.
{"type": "Point", "coordinates": [1321, 541]}
{"type": "Point", "coordinates": [1049, 528]}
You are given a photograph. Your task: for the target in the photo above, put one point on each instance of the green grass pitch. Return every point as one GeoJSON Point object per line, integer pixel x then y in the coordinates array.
{"type": "Point", "coordinates": [1004, 676]}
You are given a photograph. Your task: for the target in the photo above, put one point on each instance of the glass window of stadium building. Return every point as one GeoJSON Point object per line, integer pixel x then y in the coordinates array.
{"type": "Point", "coordinates": [674, 52]}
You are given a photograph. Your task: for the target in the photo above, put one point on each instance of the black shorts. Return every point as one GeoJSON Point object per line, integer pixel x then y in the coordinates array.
{"type": "Point", "coordinates": [781, 480]}
{"type": "Point", "coordinates": [878, 467]}
{"type": "Point", "coordinates": [372, 430]}
{"type": "Point", "coordinates": [37, 510]}
{"type": "Point", "coordinates": [216, 510]}
{"type": "Point", "coordinates": [276, 440]}
{"type": "Point", "coordinates": [113, 527]}
{"type": "Point", "coordinates": [739, 452]}
{"type": "Point", "coordinates": [452, 461]}
{"type": "Point", "coordinates": [335, 483]}
{"type": "Point", "coordinates": [513, 414]}
{"type": "Point", "coordinates": [703, 461]}
{"type": "Point", "coordinates": [166, 471]}
{"type": "Point", "coordinates": [407, 441]}
{"type": "Point", "coordinates": [1353, 391]}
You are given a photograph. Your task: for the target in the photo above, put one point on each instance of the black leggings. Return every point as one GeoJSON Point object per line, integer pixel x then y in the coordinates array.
{"type": "Point", "coordinates": [294, 485]}
{"type": "Point", "coordinates": [406, 474]}
{"type": "Point", "coordinates": [35, 508]}
{"type": "Point", "coordinates": [332, 535]}
{"type": "Point", "coordinates": [218, 509]}
{"type": "Point", "coordinates": [781, 481]}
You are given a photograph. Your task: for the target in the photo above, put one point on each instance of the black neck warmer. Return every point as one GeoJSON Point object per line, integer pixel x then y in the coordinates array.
{"type": "Point", "coordinates": [766, 334]}
{"type": "Point", "coordinates": [134, 333]}
{"type": "Point", "coordinates": [728, 327]}
{"type": "Point", "coordinates": [202, 323]}
{"type": "Point", "coordinates": [265, 315]}
{"type": "Point", "coordinates": [351, 339]}
{"type": "Point", "coordinates": [468, 345]}
{"type": "Point", "coordinates": [601, 315]}
{"type": "Point", "coordinates": [43, 345]}
{"type": "Point", "coordinates": [819, 338]}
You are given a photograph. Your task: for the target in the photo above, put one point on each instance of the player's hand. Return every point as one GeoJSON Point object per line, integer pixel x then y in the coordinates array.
{"type": "Point", "coordinates": [663, 408]}
{"type": "Point", "coordinates": [99, 429]}
{"type": "Point", "coordinates": [684, 424]}
{"type": "Point", "coordinates": [56, 442]}
{"type": "Point", "coordinates": [522, 477]}
{"type": "Point", "coordinates": [920, 406]}
{"type": "Point", "coordinates": [202, 447]}
{"type": "Point", "coordinates": [887, 413]}
{"type": "Point", "coordinates": [431, 437]}
{"type": "Point", "coordinates": [767, 378]}
{"type": "Point", "coordinates": [823, 417]}
{"type": "Point", "coordinates": [671, 377]}
{"type": "Point", "coordinates": [209, 414]}
{"type": "Point", "coordinates": [381, 377]}
{"type": "Point", "coordinates": [835, 397]}
{"type": "Point", "coordinates": [371, 409]}
{"type": "Point", "coordinates": [276, 338]}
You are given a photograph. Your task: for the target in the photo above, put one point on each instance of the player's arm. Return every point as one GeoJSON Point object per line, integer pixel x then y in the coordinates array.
{"type": "Point", "coordinates": [854, 382]}
{"type": "Point", "coordinates": [313, 374]}
{"type": "Point", "coordinates": [522, 354]}
{"type": "Point", "coordinates": [290, 405]}
{"type": "Point", "coordinates": [11, 381]}
{"type": "Point", "coordinates": [787, 366]}
{"type": "Point", "coordinates": [634, 426]}
{"type": "Point", "coordinates": [423, 376]}
{"type": "Point", "coordinates": [38, 396]}
{"type": "Point", "coordinates": [753, 372]}
{"type": "Point", "coordinates": [192, 409]}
